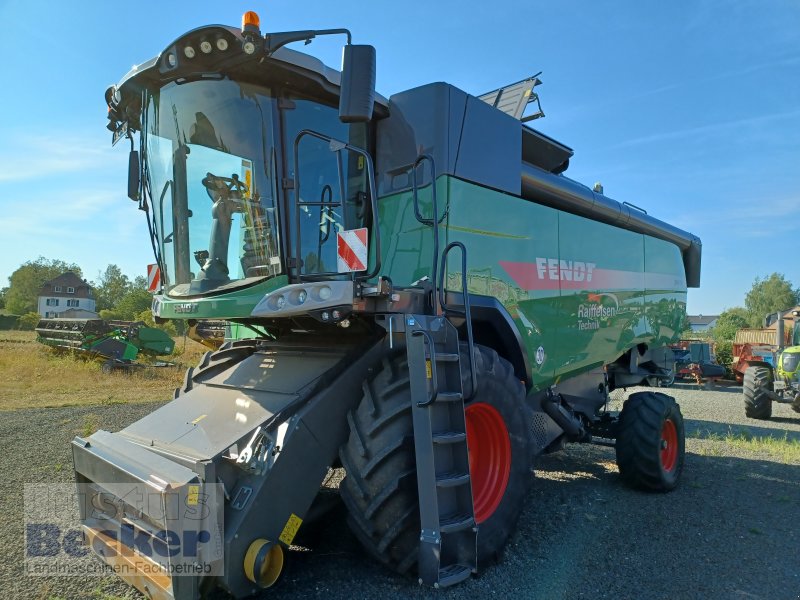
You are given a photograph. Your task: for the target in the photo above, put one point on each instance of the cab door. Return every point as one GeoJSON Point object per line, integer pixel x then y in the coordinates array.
{"type": "Point", "coordinates": [326, 187]}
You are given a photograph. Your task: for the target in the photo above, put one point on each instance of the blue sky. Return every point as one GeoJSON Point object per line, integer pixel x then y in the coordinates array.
{"type": "Point", "coordinates": [690, 110]}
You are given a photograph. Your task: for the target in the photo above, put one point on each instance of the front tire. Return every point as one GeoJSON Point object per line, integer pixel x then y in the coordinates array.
{"type": "Point", "coordinates": [755, 389]}
{"type": "Point", "coordinates": [650, 442]}
{"type": "Point", "coordinates": [380, 489]}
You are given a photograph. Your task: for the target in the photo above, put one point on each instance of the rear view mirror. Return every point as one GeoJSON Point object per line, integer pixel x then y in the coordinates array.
{"type": "Point", "coordinates": [133, 175]}
{"type": "Point", "coordinates": [357, 94]}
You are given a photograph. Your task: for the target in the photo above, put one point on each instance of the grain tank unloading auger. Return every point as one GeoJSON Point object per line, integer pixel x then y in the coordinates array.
{"type": "Point", "coordinates": [295, 203]}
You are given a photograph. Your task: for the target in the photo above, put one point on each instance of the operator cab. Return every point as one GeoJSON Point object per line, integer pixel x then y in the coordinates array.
{"type": "Point", "coordinates": [254, 157]}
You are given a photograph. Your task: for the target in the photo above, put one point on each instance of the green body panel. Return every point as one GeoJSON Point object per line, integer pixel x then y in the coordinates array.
{"type": "Point", "coordinates": [236, 304]}
{"type": "Point", "coordinates": [580, 292]}
{"type": "Point", "coordinates": [789, 374]}
{"type": "Point", "coordinates": [154, 341]}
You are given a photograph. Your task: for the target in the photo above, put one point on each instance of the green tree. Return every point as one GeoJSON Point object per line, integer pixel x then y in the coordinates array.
{"type": "Point", "coordinates": [729, 322]}
{"type": "Point", "coordinates": [26, 282]}
{"type": "Point", "coordinates": [3, 292]}
{"type": "Point", "coordinates": [28, 321]}
{"type": "Point", "coordinates": [724, 354]}
{"type": "Point", "coordinates": [169, 326]}
{"type": "Point", "coordinates": [111, 286]}
{"type": "Point", "coordinates": [129, 307]}
{"type": "Point", "coordinates": [769, 295]}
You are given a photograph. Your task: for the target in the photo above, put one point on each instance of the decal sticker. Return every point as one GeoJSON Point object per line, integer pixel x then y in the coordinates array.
{"type": "Point", "coordinates": [290, 529]}
{"type": "Point", "coordinates": [540, 355]}
{"type": "Point", "coordinates": [351, 247]}
{"type": "Point", "coordinates": [193, 495]}
{"type": "Point", "coordinates": [153, 278]}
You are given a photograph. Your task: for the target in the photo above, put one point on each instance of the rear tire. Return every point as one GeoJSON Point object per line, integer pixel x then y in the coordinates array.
{"type": "Point", "coordinates": [650, 442]}
{"type": "Point", "coordinates": [755, 388]}
{"type": "Point", "coordinates": [380, 489]}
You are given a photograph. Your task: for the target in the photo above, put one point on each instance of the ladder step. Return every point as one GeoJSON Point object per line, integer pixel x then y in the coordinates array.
{"type": "Point", "coordinates": [449, 397]}
{"type": "Point", "coordinates": [445, 357]}
{"type": "Point", "coordinates": [453, 574]}
{"type": "Point", "coordinates": [451, 479]}
{"type": "Point", "coordinates": [449, 437]}
{"type": "Point", "coordinates": [456, 522]}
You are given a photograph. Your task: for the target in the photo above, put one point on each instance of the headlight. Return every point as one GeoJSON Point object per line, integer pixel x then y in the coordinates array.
{"type": "Point", "coordinates": [325, 292]}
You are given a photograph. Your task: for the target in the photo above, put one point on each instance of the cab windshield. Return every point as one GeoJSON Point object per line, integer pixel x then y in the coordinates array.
{"type": "Point", "coordinates": [210, 168]}
{"type": "Point", "coordinates": [789, 361]}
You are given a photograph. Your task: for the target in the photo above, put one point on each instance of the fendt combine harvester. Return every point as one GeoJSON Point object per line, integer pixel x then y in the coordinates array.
{"type": "Point", "coordinates": [342, 230]}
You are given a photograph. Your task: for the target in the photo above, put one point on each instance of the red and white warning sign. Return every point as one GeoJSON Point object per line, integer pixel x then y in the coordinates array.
{"type": "Point", "coordinates": [351, 250]}
{"type": "Point", "coordinates": [153, 278]}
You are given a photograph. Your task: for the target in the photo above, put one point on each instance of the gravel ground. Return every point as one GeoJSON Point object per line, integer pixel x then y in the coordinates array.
{"type": "Point", "coordinates": [729, 531]}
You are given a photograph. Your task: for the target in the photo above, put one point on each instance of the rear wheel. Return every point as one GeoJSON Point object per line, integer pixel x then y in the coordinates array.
{"type": "Point", "coordinates": [650, 442]}
{"type": "Point", "coordinates": [380, 489]}
{"type": "Point", "coordinates": [755, 389]}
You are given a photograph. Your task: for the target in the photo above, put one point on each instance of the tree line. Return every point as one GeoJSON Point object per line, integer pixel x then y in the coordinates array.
{"type": "Point", "coordinates": [117, 296]}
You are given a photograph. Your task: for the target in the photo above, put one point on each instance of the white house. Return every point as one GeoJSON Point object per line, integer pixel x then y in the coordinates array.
{"type": "Point", "coordinates": [66, 292]}
{"type": "Point", "coordinates": [702, 322]}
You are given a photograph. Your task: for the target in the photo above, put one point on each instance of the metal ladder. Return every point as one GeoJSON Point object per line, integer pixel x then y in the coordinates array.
{"type": "Point", "coordinates": [449, 533]}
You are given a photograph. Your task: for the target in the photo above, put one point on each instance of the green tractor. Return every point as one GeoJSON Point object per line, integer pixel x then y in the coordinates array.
{"type": "Point", "coordinates": [424, 299]}
{"type": "Point", "coordinates": [777, 381]}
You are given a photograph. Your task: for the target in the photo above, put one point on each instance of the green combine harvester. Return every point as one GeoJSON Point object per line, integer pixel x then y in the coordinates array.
{"type": "Point", "coordinates": [117, 344]}
{"type": "Point", "coordinates": [424, 299]}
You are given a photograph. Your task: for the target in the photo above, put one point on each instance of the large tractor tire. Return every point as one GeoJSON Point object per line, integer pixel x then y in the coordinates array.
{"type": "Point", "coordinates": [651, 442]}
{"type": "Point", "coordinates": [755, 389]}
{"type": "Point", "coordinates": [380, 489]}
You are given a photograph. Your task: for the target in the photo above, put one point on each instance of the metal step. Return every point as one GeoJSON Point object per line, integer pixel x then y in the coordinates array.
{"type": "Point", "coordinates": [451, 479]}
{"type": "Point", "coordinates": [449, 397]}
{"type": "Point", "coordinates": [453, 574]}
{"type": "Point", "coordinates": [457, 522]}
{"type": "Point", "coordinates": [449, 437]}
{"type": "Point", "coordinates": [445, 357]}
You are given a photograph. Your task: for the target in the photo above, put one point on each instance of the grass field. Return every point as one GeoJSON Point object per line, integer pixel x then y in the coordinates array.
{"type": "Point", "coordinates": [33, 376]}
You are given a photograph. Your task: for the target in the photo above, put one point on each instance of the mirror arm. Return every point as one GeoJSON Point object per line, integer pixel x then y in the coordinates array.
{"type": "Point", "coordinates": [273, 41]}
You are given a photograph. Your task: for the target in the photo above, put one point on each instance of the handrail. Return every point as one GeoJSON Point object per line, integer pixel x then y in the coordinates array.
{"type": "Point", "coordinates": [434, 222]}
{"type": "Point", "coordinates": [467, 310]}
{"type": "Point", "coordinates": [434, 377]}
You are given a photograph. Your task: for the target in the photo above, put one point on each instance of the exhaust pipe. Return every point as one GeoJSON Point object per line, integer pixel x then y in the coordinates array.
{"type": "Point", "coordinates": [565, 419]}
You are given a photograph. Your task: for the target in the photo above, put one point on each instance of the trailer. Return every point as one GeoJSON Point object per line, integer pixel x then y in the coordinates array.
{"type": "Point", "coordinates": [430, 304]}
{"type": "Point", "coordinates": [752, 347]}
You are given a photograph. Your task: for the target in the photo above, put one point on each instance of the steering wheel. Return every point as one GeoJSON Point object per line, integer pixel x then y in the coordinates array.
{"type": "Point", "coordinates": [224, 188]}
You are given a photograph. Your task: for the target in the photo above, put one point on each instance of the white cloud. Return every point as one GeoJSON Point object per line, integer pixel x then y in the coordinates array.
{"type": "Point", "coordinates": [39, 157]}
{"type": "Point", "coordinates": [703, 129]}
